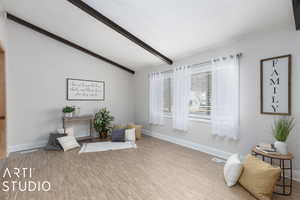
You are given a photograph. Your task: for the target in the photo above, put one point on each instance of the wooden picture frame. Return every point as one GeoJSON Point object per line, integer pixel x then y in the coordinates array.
{"type": "Point", "coordinates": [275, 85]}
{"type": "Point", "coordinates": [85, 90]}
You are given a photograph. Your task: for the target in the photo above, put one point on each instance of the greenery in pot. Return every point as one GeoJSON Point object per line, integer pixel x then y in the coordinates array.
{"type": "Point", "coordinates": [282, 128]}
{"type": "Point", "coordinates": [68, 109]}
{"type": "Point", "coordinates": [102, 122]}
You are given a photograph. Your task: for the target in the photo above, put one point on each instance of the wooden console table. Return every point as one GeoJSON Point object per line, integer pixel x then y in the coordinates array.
{"type": "Point", "coordinates": [284, 183]}
{"type": "Point", "coordinates": [88, 118]}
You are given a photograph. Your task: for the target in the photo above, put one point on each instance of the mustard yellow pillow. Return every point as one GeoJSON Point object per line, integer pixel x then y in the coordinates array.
{"type": "Point", "coordinates": [138, 130]}
{"type": "Point", "coordinates": [115, 127]}
{"type": "Point", "coordinates": [259, 177]}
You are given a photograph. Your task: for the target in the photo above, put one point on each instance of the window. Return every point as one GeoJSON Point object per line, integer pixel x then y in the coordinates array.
{"type": "Point", "coordinates": [200, 102]}
{"type": "Point", "coordinates": [167, 95]}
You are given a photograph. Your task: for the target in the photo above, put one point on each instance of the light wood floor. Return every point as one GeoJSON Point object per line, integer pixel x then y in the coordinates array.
{"type": "Point", "coordinates": [156, 170]}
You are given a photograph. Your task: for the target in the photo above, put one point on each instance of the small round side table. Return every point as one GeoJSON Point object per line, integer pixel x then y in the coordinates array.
{"type": "Point", "coordinates": [284, 184]}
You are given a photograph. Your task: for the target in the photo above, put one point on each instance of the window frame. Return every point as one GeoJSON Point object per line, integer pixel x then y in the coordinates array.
{"type": "Point", "coordinates": [170, 94]}
{"type": "Point", "coordinates": [200, 117]}
{"type": "Point", "coordinates": [166, 113]}
{"type": "Point", "coordinates": [192, 117]}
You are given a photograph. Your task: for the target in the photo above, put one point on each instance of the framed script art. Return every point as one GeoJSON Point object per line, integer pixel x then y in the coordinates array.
{"type": "Point", "coordinates": [275, 85]}
{"type": "Point", "coordinates": [85, 90]}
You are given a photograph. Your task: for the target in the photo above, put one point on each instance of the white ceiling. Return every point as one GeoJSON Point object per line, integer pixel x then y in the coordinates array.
{"type": "Point", "coordinates": [176, 28]}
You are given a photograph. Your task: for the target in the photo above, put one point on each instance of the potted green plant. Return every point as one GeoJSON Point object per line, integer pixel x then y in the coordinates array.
{"type": "Point", "coordinates": [68, 111]}
{"type": "Point", "coordinates": [102, 122]}
{"type": "Point", "coordinates": [281, 130]}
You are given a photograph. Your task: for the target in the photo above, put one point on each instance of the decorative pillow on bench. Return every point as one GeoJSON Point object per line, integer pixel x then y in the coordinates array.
{"type": "Point", "coordinates": [53, 144]}
{"type": "Point", "coordinates": [118, 135]}
{"type": "Point", "coordinates": [130, 135]}
{"type": "Point", "coordinates": [138, 130]}
{"type": "Point", "coordinates": [68, 142]}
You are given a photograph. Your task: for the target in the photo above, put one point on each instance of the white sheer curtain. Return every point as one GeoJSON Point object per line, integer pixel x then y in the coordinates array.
{"type": "Point", "coordinates": [181, 97]}
{"type": "Point", "coordinates": [156, 98]}
{"type": "Point", "coordinates": [225, 97]}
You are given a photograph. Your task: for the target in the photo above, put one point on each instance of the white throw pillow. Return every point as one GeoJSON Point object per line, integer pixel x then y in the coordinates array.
{"type": "Point", "coordinates": [130, 135]}
{"type": "Point", "coordinates": [68, 142]}
{"type": "Point", "coordinates": [232, 170]}
{"type": "Point", "coordinates": [69, 131]}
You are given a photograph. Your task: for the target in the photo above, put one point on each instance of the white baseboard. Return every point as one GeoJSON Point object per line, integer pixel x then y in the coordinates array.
{"type": "Point", "coordinates": [35, 145]}
{"type": "Point", "coordinates": [188, 144]}
{"type": "Point", "coordinates": [23, 147]}
{"type": "Point", "coordinates": [202, 148]}
{"type": "Point", "coordinates": [296, 175]}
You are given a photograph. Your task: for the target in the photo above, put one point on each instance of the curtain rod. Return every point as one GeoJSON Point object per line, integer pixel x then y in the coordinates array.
{"type": "Point", "coordinates": [204, 63]}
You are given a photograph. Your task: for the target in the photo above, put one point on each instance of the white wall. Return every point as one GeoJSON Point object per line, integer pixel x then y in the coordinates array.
{"type": "Point", "coordinates": [37, 68]}
{"type": "Point", "coordinates": [255, 128]}
{"type": "Point", "coordinates": [2, 27]}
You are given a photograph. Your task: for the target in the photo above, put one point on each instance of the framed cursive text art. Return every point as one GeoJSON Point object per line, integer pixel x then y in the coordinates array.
{"type": "Point", "coordinates": [85, 90]}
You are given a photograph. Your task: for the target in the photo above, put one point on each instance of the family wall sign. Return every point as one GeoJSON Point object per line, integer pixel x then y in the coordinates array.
{"type": "Point", "coordinates": [275, 78]}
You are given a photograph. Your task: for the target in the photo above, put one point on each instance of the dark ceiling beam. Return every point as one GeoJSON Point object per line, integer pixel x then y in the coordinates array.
{"type": "Point", "coordinates": [296, 7]}
{"type": "Point", "coordinates": [66, 42]}
{"type": "Point", "coordinates": [97, 15]}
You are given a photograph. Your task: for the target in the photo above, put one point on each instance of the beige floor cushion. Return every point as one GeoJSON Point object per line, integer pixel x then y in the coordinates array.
{"type": "Point", "coordinates": [138, 130]}
{"type": "Point", "coordinates": [68, 142]}
{"type": "Point", "coordinates": [259, 177]}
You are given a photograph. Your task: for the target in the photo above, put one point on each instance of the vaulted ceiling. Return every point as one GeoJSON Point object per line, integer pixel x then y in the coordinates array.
{"type": "Point", "coordinates": [175, 28]}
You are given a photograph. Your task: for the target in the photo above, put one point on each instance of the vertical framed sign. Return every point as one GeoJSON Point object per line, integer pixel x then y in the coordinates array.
{"type": "Point", "coordinates": [275, 85]}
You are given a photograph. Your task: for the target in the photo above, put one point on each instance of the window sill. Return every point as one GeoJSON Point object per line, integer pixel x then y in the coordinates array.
{"type": "Point", "coordinates": [194, 119]}
{"type": "Point", "coordinates": [202, 120]}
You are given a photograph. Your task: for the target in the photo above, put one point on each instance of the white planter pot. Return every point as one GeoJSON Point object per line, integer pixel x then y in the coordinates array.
{"type": "Point", "coordinates": [281, 147]}
{"type": "Point", "coordinates": [77, 111]}
{"type": "Point", "coordinates": [69, 114]}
